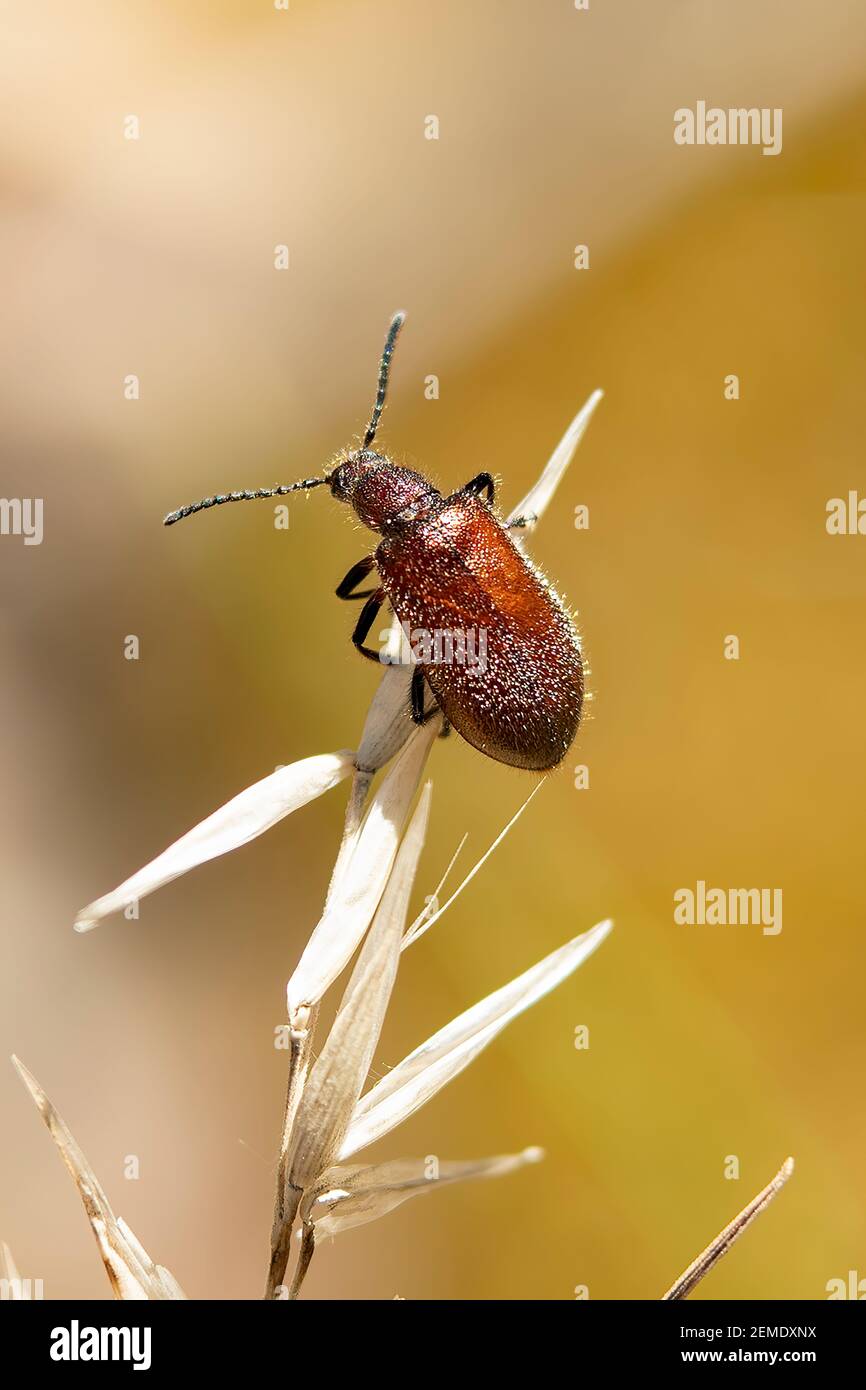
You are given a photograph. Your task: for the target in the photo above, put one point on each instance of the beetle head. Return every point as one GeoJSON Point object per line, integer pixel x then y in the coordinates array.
{"type": "Point", "coordinates": [377, 489]}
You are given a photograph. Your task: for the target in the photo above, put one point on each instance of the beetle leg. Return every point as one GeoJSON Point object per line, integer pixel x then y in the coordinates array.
{"type": "Point", "coordinates": [365, 622]}
{"type": "Point", "coordinates": [528, 520]}
{"type": "Point", "coordinates": [346, 587]}
{"type": "Point", "coordinates": [416, 694]}
{"type": "Point", "coordinates": [483, 483]}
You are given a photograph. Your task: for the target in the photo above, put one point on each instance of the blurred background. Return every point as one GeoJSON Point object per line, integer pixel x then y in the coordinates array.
{"type": "Point", "coordinates": [155, 257]}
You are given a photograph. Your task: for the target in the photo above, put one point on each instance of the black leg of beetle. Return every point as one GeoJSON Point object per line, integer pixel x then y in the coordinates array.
{"type": "Point", "coordinates": [417, 691]}
{"type": "Point", "coordinates": [365, 622]}
{"type": "Point", "coordinates": [346, 587]}
{"type": "Point", "coordinates": [417, 695]}
{"type": "Point", "coordinates": [483, 483]}
{"type": "Point", "coordinates": [528, 520]}
{"type": "Point", "coordinates": [446, 728]}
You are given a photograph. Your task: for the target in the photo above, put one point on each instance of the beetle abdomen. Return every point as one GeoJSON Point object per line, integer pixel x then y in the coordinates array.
{"type": "Point", "coordinates": [499, 650]}
{"type": "Point", "coordinates": [523, 712]}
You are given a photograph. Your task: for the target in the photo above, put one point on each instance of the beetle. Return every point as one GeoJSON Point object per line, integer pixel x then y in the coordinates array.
{"type": "Point", "coordinates": [451, 572]}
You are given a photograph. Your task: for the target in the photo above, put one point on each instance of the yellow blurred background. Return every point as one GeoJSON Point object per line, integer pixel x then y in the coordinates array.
{"type": "Point", "coordinates": [155, 257]}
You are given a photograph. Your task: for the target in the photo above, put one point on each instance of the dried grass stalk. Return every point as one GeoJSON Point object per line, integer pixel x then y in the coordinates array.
{"type": "Point", "coordinates": [131, 1271]}
{"type": "Point", "coordinates": [325, 1118]}
{"type": "Point", "coordinates": [725, 1239]}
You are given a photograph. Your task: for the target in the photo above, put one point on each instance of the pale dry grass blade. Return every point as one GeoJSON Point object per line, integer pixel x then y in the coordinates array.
{"type": "Point", "coordinates": [326, 1100]}
{"type": "Point", "coordinates": [337, 1078]}
{"type": "Point", "coordinates": [302, 1029]}
{"type": "Point", "coordinates": [725, 1239]}
{"type": "Point", "coordinates": [356, 884]}
{"type": "Point", "coordinates": [355, 1195]}
{"type": "Point", "coordinates": [162, 1278]}
{"type": "Point", "coordinates": [242, 819]}
{"type": "Point", "coordinates": [431, 1066]}
{"type": "Point", "coordinates": [389, 722]}
{"type": "Point", "coordinates": [307, 1234]}
{"type": "Point", "coordinates": [368, 858]}
{"type": "Point", "coordinates": [533, 506]}
{"type": "Point", "coordinates": [131, 1271]}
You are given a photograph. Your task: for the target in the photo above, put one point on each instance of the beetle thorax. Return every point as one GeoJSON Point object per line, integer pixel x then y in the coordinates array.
{"type": "Point", "coordinates": [379, 491]}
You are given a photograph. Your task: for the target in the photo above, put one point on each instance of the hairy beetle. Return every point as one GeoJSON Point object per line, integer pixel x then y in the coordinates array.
{"type": "Point", "coordinates": [457, 583]}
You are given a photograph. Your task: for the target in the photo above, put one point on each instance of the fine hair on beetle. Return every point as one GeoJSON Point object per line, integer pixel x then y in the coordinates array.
{"type": "Point", "coordinates": [452, 573]}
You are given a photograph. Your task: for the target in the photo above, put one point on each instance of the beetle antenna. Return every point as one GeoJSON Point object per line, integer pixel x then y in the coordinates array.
{"type": "Point", "coordinates": [384, 369]}
{"type": "Point", "coordinates": [249, 495]}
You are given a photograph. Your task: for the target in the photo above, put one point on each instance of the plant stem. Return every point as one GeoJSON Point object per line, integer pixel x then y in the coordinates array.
{"type": "Point", "coordinates": [287, 1197]}
{"type": "Point", "coordinates": [308, 1247]}
{"type": "Point", "coordinates": [725, 1239]}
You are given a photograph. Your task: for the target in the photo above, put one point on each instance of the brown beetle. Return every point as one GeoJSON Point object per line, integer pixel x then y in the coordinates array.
{"type": "Point", "coordinates": [490, 637]}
